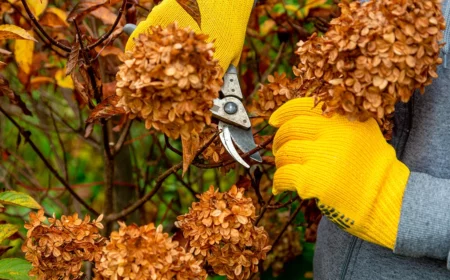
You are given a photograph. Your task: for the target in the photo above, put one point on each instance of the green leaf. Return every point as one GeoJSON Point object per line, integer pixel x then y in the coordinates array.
{"type": "Point", "coordinates": [19, 199]}
{"type": "Point", "coordinates": [14, 269]}
{"type": "Point", "coordinates": [6, 231]}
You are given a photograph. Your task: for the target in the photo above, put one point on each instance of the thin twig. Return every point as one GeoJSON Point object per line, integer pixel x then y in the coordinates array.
{"type": "Point", "coordinates": [39, 27]}
{"type": "Point", "coordinates": [159, 181]}
{"type": "Point", "coordinates": [166, 160]}
{"type": "Point", "coordinates": [168, 207]}
{"type": "Point", "coordinates": [210, 141]}
{"type": "Point", "coordinates": [61, 143]}
{"type": "Point", "coordinates": [271, 68]}
{"type": "Point", "coordinates": [123, 137]}
{"type": "Point", "coordinates": [255, 182]}
{"type": "Point", "coordinates": [108, 173]}
{"type": "Point", "coordinates": [263, 210]}
{"type": "Point", "coordinates": [47, 163]}
{"type": "Point", "coordinates": [291, 219]}
{"type": "Point", "coordinates": [172, 148]}
{"type": "Point", "coordinates": [161, 198]}
{"type": "Point", "coordinates": [142, 7]}
{"type": "Point", "coordinates": [107, 34]}
{"type": "Point", "coordinates": [186, 185]}
{"type": "Point", "coordinates": [278, 206]}
{"type": "Point", "coordinates": [47, 44]}
{"type": "Point", "coordinates": [79, 131]}
{"type": "Point", "coordinates": [261, 129]}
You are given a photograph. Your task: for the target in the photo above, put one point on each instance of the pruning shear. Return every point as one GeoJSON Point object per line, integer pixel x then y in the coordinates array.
{"type": "Point", "coordinates": [234, 123]}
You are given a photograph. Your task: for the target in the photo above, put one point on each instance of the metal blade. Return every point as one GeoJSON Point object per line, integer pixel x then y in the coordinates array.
{"type": "Point", "coordinates": [225, 137]}
{"type": "Point", "coordinates": [245, 141]}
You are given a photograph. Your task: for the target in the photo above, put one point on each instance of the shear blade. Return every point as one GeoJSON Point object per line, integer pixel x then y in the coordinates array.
{"type": "Point", "coordinates": [225, 137]}
{"type": "Point", "coordinates": [245, 141]}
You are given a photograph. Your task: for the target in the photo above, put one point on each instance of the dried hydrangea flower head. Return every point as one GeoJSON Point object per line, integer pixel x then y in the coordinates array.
{"type": "Point", "coordinates": [146, 253]}
{"type": "Point", "coordinates": [170, 80]}
{"type": "Point", "coordinates": [278, 91]}
{"type": "Point", "coordinates": [374, 55]}
{"type": "Point", "coordinates": [58, 249]}
{"type": "Point", "coordinates": [215, 152]}
{"type": "Point", "coordinates": [220, 231]}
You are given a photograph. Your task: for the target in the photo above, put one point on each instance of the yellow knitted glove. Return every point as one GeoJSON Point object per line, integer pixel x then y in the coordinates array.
{"type": "Point", "coordinates": [225, 21]}
{"type": "Point", "coordinates": [348, 166]}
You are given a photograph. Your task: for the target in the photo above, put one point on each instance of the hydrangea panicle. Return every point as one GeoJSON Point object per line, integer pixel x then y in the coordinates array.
{"type": "Point", "coordinates": [58, 249]}
{"type": "Point", "coordinates": [170, 80]}
{"type": "Point", "coordinates": [146, 253]}
{"type": "Point", "coordinates": [220, 231]}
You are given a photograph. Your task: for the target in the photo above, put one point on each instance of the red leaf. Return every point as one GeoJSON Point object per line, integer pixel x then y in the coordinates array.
{"type": "Point", "coordinates": [105, 15]}
{"type": "Point", "coordinates": [191, 7]}
{"type": "Point", "coordinates": [108, 50]}
{"type": "Point", "coordinates": [84, 7]}
{"type": "Point", "coordinates": [106, 110]}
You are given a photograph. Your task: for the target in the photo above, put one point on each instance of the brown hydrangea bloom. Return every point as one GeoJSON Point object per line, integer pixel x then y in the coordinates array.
{"type": "Point", "coordinates": [170, 80]}
{"type": "Point", "coordinates": [57, 250]}
{"type": "Point", "coordinates": [146, 253]}
{"type": "Point", "coordinates": [215, 151]}
{"type": "Point", "coordinates": [278, 91]}
{"type": "Point", "coordinates": [374, 55]}
{"type": "Point", "coordinates": [219, 229]}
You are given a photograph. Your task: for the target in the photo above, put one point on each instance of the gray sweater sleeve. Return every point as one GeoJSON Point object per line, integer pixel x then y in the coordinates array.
{"type": "Point", "coordinates": [424, 229]}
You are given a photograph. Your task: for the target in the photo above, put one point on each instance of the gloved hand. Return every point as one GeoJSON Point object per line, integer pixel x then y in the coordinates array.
{"type": "Point", "coordinates": [225, 21]}
{"type": "Point", "coordinates": [348, 166]}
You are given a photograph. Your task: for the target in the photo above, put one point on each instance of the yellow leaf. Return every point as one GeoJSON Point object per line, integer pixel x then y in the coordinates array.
{"type": "Point", "coordinates": [54, 17]}
{"type": "Point", "coordinates": [37, 6]}
{"type": "Point", "coordinates": [267, 26]}
{"type": "Point", "coordinates": [311, 4]}
{"type": "Point", "coordinates": [292, 8]}
{"type": "Point", "coordinates": [62, 80]}
{"type": "Point", "coordinates": [6, 230]}
{"type": "Point", "coordinates": [23, 53]}
{"type": "Point", "coordinates": [303, 12]}
{"type": "Point", "coordinates": [8, 31]}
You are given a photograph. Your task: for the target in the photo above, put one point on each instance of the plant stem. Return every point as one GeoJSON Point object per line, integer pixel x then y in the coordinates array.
{"type": "Point", "coordinates": [55, 173]}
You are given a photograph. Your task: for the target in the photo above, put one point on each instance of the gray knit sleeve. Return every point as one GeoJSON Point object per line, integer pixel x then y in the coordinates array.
{"type": "Point", "coordinates": [424, 229]}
